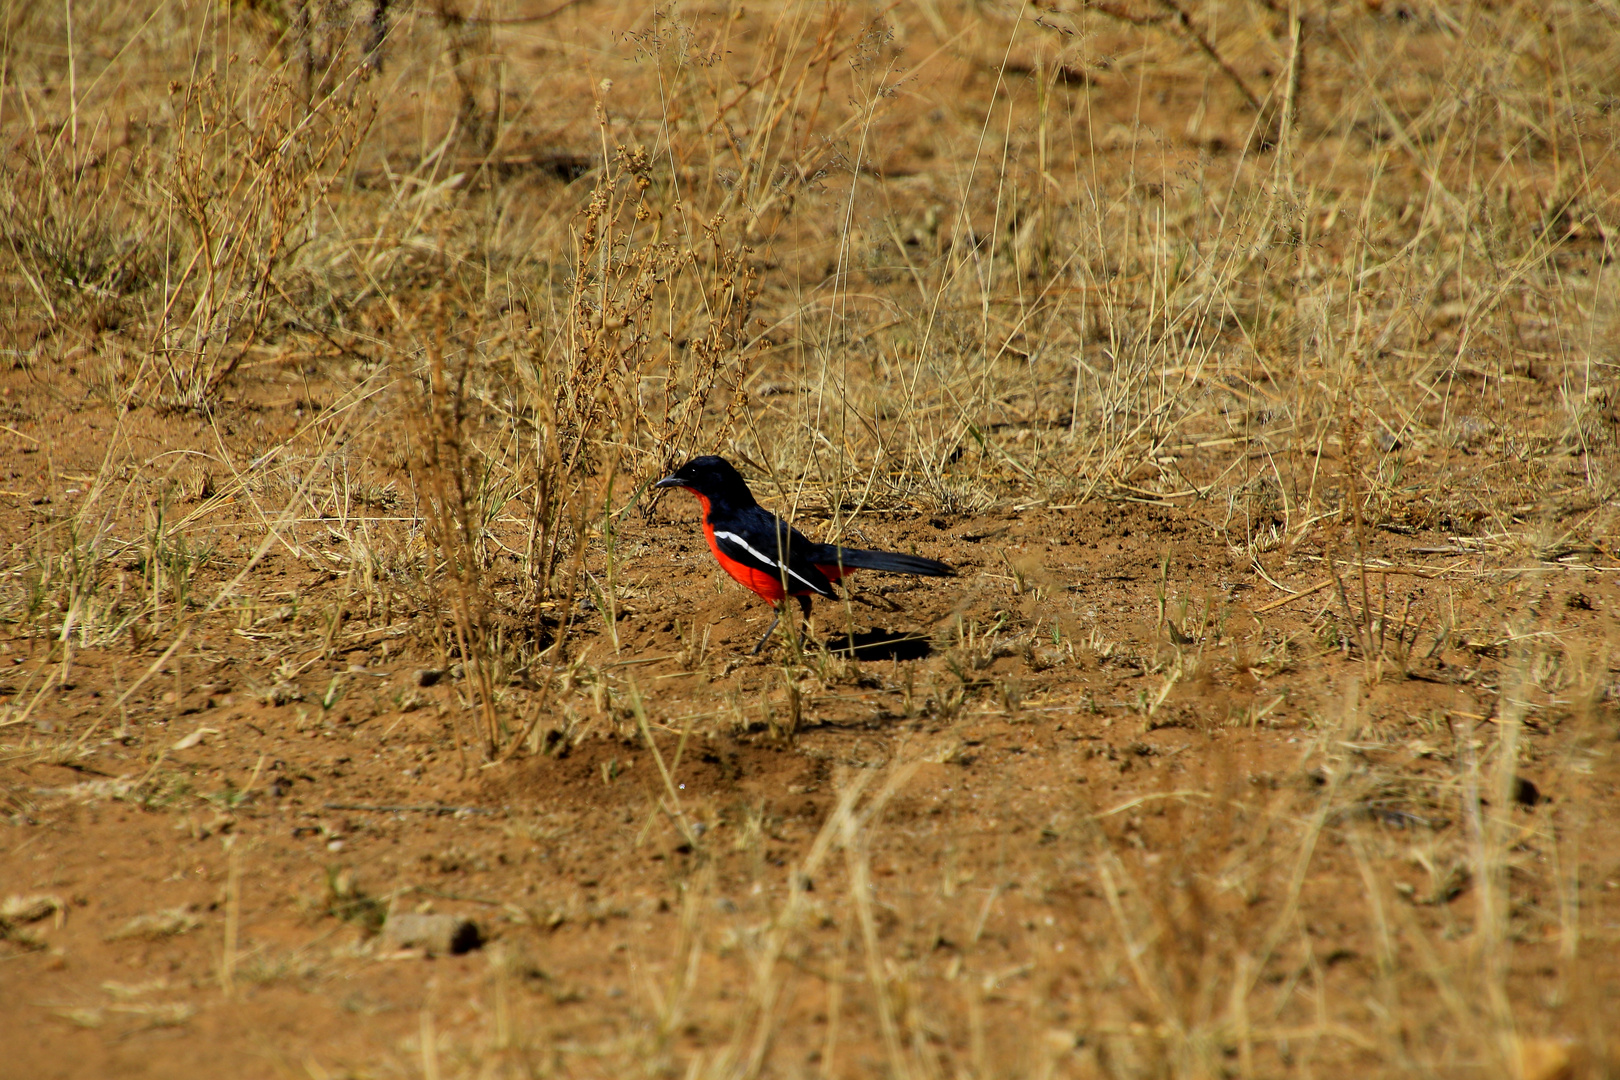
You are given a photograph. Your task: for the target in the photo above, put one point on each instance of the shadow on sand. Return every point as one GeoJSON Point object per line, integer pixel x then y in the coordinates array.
{"type": "Point", "coordinates": [881, 645]}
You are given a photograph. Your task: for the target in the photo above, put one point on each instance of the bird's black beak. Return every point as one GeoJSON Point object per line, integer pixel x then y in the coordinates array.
{"type": "Point", "coordinates": [669, 482]}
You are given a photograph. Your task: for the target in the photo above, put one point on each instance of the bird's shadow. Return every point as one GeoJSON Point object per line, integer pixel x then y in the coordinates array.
{"type": "Point", "coordinates": [881, 645]}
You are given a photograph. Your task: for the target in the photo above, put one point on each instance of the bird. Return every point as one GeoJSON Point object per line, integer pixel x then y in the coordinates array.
{"type": "Point", "coordinates": [766, 554]}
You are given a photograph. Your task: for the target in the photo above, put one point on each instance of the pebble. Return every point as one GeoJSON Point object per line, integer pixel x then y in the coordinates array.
{"type": "Point", "coordinates": [433, 934]}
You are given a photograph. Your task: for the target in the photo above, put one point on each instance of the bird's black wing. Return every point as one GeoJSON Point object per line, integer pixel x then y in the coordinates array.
{"type": "Point", "coordinates": [761, 541]}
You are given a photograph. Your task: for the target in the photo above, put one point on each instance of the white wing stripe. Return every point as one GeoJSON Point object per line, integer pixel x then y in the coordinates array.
{"type": "Point", "coordinates": [746, 546]}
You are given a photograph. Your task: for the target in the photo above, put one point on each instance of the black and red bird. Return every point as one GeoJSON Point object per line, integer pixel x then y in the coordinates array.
{"type": "Point", "coordinates": [768, 555]}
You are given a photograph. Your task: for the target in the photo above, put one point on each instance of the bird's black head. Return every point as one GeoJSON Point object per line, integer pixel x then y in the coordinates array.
{"type": "Point", "coordinates": [712, 479]}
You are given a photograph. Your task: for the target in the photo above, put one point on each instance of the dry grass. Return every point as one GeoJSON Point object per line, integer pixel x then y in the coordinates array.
{"type": "Point", "coordinates": [1307, 276]}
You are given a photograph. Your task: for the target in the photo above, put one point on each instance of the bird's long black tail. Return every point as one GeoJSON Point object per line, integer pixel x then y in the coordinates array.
{"type": "Point", "coordinates": [891, 561]}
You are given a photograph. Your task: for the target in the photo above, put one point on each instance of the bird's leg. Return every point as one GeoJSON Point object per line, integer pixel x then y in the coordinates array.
{"type": "Point", "coordinates": [796, 636]}
{"type": "Point", "coordinates": [804, 610]}
{"type": "Point", "coordinates": [768, 630]}
{"type": "Point", "coordinates": [781, 606]}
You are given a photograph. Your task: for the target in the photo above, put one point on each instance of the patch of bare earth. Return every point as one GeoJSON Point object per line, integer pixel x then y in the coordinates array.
{"type": "Point", "coordinates": [364, 714]}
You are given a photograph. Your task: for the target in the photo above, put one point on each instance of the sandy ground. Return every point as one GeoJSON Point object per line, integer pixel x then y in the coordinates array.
{"type": "Point", "coordinates": [1015, 743]}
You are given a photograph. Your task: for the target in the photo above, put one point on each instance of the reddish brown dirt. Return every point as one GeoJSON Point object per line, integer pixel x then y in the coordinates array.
{"type": "Point", "coordinates": [1026, 771]}
{"type": "Point", "coordinates": [1109, 804]}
